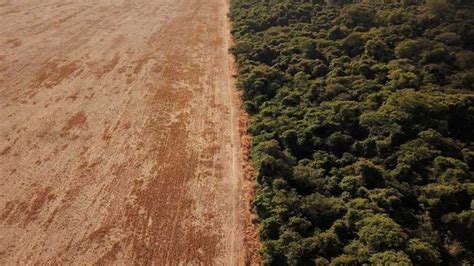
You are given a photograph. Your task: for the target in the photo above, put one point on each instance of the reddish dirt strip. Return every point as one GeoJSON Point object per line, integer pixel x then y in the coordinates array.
{"type": "Point", "coordinates": [120, 135]}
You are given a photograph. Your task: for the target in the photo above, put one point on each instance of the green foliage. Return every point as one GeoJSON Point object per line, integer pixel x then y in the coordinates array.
{"type": "Point", "coordinates": [422, 253]}
{"type": "Point", "coordinates": [409, 48]}
{"type": "Point", "coordinates": [388, 258]}
{"type": "Point", "coordinates": [344, 260]}
{"type": "Point", "coordinates": [439, 7]}
{"type": "Point", "coordinates": [378, 50]}
{"type": "Point", "coordinates": [380, 232]}
{"type": "Point", "coordinates": [362, 121]}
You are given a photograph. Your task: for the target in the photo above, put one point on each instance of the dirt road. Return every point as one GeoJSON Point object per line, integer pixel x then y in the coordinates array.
{"type": "Point", "coordinates": [119, 138]}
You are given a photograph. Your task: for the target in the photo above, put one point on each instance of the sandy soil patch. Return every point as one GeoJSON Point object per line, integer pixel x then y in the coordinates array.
{"type": "Point", "coordinates": [119, 134]}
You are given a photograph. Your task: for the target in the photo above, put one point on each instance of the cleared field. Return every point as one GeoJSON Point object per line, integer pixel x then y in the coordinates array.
{"type": "Point", "coordinates": [119, 133]}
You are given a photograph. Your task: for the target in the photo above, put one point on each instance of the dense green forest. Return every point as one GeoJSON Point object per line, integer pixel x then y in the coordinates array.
{"type": "Point", "coordinates": [362, 121]}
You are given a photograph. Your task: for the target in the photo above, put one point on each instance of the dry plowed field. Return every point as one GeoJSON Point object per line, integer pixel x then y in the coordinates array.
{"type": "Point", "coordinates": [119, 133]}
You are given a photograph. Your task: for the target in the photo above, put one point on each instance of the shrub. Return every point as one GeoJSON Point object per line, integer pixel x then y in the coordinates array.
{"type": "Point", "coordinates": [388, 258]}
{"type": "Point", "coordinates": [353, 44]}
{"type": "Point", "coordinates": [409, 48]}
{"type": "Point", "coordinates": [438, 7]}
{"type": "Point", "coordinates": [380, 232]}
{"type": "Point", "coordinates": [438, 55]}
{"type": "Point", "coordinates": [344, 260]}
{"type": "Point", "coordinates": [465, 59]}
{"type": "Point", "coordinates": [422, 253]}
{"type": "Point", "coordinates": [449, 38]}
{"type": "Point", "coordinates": [336, 33]}
{"type": "Point", "coordinates": [378, 50]}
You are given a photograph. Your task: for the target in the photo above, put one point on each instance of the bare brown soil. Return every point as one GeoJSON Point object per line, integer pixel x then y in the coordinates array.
{"type": "Point", "coordinates": [120, 139]}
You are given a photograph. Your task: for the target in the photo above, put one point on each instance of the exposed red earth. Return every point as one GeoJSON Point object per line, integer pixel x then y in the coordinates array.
{"type": "Point", "coordinates": [121, 135]}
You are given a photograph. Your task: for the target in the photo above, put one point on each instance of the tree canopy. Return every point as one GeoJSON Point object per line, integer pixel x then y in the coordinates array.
{"type": "Point", "coordinates": [362, 121]}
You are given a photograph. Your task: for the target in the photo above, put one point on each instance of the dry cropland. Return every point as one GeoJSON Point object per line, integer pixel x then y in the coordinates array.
{"type": "Point", "coordinates": [119, 134]}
